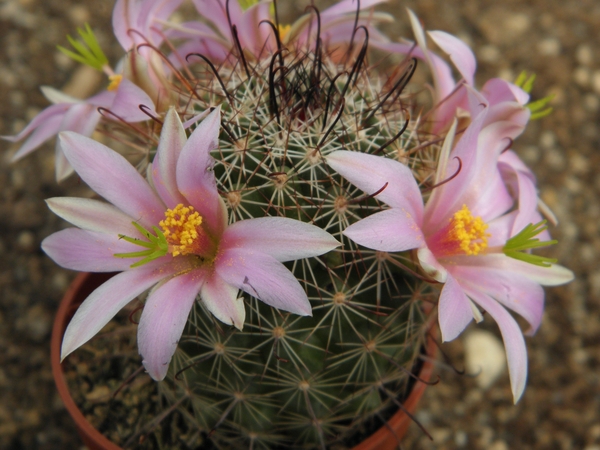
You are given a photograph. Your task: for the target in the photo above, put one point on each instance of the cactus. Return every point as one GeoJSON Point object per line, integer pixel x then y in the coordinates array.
{"type": "Point", "coordinates": [298, 118]}
{"type": "Point", "coordinates": [287, 381]}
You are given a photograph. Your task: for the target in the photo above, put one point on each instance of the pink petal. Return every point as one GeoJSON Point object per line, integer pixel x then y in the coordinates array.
{"type": "Point", "coordinates": [221, 300]}
{"type": "Point", "coordinates": [454, 310]}
{"type": "Point", "coordinates": [62, 168]}
{"type": "Point", "coordinates": [521, 182]}
{"type": "Point", "coordinates": [546, 276]}
{"type": "Point", "coordinates": [254, 36]}
{"type": "Point", "coordinates": [517, 292]}
{"type": "Point", "coordinates": [392, 230]}
{"type": "Point", "coordinates": [218, 14]}
{"type": "Point", "coordinates": [283, 239]}
{"type": "Point", "coordinates": [516, 352]}
{"type": "Point", "coordinates": [124, 18]}
{"type": "Point", "coordinates": [431, 266]}
{"type": "Point", "coordinates": [172, 140]}
{"type": "Point", "coordinates": [141, 16]}
{"type": "Point", "coordinates": [497, 90]}
{"type": "Point", "coordinates": [113, 177]}
{"type": "Point", "coordinates": [195, 176]}
{"type": "Point", "coordinates": [349, 7]}
{"type": "Point", "coordinates": [163, 320]}
{"type": "Point", "coordinates": [42, 127]}
{"type": "Point", "coordinates": [93, 215]}
{"type": "Point", "coordinates": [106, 301]}
{"type": "Point", "coordinates": [373, 173]}
{"type": "Point", "coordinates": [263, 277]}
{"type": "Point", "coordinates": [212, 48]}
{"type": "Point", "coordinates": [442, 74]}
{"type": "Point", "coordinates": [88, 251]}
{"type": "Point", "coordinates": [459, 52]}
{"type": "Point", "coordinates": [127, 102]}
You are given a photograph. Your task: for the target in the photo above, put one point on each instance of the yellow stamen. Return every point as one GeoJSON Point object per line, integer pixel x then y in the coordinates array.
{"type": "Point", "coordinates": [115, 81]}
{"type": "Point", "coordinates": [468, 231]}
{"type": "Point", "coordinates": [180, 227]}
{"type": "Point", "coordinates": [283, 31]}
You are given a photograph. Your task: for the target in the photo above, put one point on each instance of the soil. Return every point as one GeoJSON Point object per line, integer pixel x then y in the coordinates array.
{"type": "Point", "coordinates": [555, 39]}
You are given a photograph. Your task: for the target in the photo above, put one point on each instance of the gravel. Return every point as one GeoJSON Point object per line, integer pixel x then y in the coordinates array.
{"type": "Point", "coordinates": [556, 39]}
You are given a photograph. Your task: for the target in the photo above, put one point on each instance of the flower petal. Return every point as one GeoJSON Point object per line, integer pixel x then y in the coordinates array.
{"type": "Point", "coordinates": [127, 102]}
{"type": "Point", "coordinates": [92, 215]}
{"type": "Point", "coordinates": [514, 291]}
{"type": "Point", "coordinates": [514, 343]}
{"type": "Point", "coordinates": [392, 230]}
{"type": "Point", "coordinates": [195, 176]}
{"type": "Point", "coordinates": [113, 177]}
{"type": "Point", "coordinates": [372, 173]}
{"type": "Point", "coordinates": [106, 301]}
{"type": "Point", "coordinates": [163, 320]}
{"type": "Point", "coordinates": [454, 309]}
{"type": "Point", "coordinates": [263, 277]}
{"type": "Point", "coordinates": [554, 275]}
{"type": "Point", "coordinates": [88, 251]}
{"type": "Point", "coordinates": [283, 239]}
{"type": "Point", "coordinates": [172, 140]}
{"type": "Point", "coordinates": [45, 125]}
{"type": "Point", "coordinates": [221, 299]}
{"type": "Point", "coordinates": [459, 52]}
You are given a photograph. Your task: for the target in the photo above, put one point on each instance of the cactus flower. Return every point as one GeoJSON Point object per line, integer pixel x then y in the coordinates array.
{"type": "Point", "coordinates": [470, 235]}
{"type": "Point", "coordinates": [81, 116]}
{"type": "Point", "coordinates": [171, 236]}
{"type": "Point", "coordinates": [257, 39]}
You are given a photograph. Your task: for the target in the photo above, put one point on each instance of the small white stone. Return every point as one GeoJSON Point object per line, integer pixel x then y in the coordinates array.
{"type": "Point", "coordinates": [489, 53]}
{"type": "Point", "coordinates": [596, 81]}
{"type": "Point", "coordinates": [547, 139]}
{"type": "Point", "coordinates": [591, 102]}
{"type": "Point", "coordinates": [517, 24]}
{"type": "Point", "coordinates": [484, 355]}
{"type": "Point", "coordinates": [582, 76]}
{"type": "Point", "coordinates": [549, 47]}
{"type": "Point", "coordinates": [584, 55]}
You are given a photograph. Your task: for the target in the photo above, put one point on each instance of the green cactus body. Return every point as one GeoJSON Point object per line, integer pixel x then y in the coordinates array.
{"type": "Point", "coordinates": [287, 381]}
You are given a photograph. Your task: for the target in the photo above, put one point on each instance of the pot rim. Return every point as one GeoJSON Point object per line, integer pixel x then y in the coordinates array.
{"type": "Point", "coordinates": [386, 437]}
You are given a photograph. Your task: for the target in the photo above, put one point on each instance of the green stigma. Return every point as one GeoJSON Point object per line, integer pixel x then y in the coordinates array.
{"type": "Point", "coordinates": [156, 246]}
{"type": "Point", "coordinates": [87, 52]}
{"type": "Point", "coordinates": [539, 108]}
{"type": "Point", "coordinates": [526, 240]}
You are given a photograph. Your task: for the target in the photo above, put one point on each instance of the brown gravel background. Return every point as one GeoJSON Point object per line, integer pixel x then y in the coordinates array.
{"type": "Point", "coordinates": [558, 40]}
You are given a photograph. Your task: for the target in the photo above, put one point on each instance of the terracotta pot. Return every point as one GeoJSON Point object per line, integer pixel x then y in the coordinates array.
{"type": "Point", "coordinates": [386, 438]}
{"type": "Point", "coordinates": [81, 287]}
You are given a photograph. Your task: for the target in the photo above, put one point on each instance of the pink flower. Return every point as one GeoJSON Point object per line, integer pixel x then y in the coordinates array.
{"type": "Point", "coordinates": [192, 250]}
{"type": "Point", "coordinates": [450, 97]}
{"type": "Point", "coordinates": [462, 234]}
{"type": "Point", "coordinates": [80, 116]}
{"type": "Point", "coordinates": [257, 39]}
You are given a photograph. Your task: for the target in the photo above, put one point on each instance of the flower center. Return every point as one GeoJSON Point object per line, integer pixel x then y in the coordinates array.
{"type": "Point", "coordinates": [464, 234]}
{"type": "Point", "coordinates": [180, 228]}
{"type": "Point", "coordinates": [468, 231]}
{"type": "Point", "coordinates": [283, 31]}
{"type": "Point", "coordinates": [115, 81]}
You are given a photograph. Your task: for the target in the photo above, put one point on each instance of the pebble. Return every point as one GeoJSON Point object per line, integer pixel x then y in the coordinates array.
{"type": "Point", "coordinates": [596, 81]}
{"type": "Point", "coordinates": [460, 438]}
{"type": "Point", "coordinates": [549, 47]}
{"type": "Point", "coordinates": [484, 356]}
{"type": "Point", "coordinates": [591, 102]}
{"type": "Point", "coordinates": [584, 55]}
{"type": "Point", "coordinates": [517, 24]}
{"type": "Point", "coordinates": [582, 76]}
